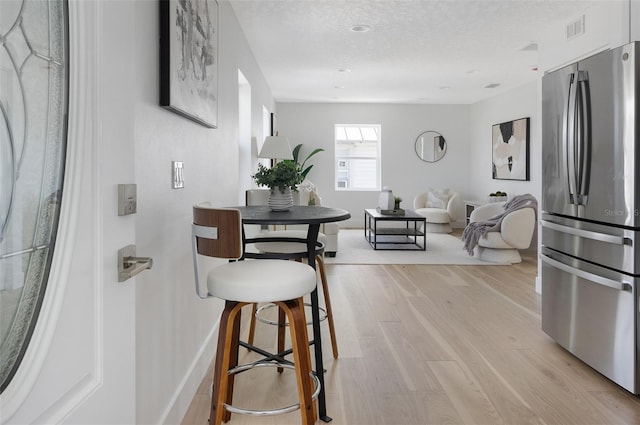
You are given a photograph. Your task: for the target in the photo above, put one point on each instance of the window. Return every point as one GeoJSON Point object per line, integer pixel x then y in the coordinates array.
{"type": "Point", "coordinates": [357, 157]}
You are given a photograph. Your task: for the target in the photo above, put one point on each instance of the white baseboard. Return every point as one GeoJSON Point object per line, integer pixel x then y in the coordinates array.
{"type": "Point", "coordinates": [186, 390]}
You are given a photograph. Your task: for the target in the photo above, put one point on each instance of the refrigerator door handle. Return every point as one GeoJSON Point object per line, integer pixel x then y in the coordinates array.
{"type": "Point", "coordinates": [597, 236]}
{"type": "Point", "coordinates": [614, 284]}
{"type": "Point", "coordinates": [568, 140]}
{"type": "Point", "coordinates": [582, 126]}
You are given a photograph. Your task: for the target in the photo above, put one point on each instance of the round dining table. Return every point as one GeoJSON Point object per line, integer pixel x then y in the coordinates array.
{"type": "Point", "coordinates": [313, 216]}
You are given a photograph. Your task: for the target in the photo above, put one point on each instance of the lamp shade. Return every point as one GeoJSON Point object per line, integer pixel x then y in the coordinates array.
{"type": "Point", "coordinates": [276, 147]}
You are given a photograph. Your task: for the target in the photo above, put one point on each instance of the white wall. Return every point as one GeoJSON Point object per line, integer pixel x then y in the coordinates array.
{"type": "Point", "coordinates": [407, 175]}
{"type": "Point", "coordinates": [465, 168]}
{"type": "Point", "coordinates": [172, 324]}
{"type": "Point", "coordinates": [520, 102]}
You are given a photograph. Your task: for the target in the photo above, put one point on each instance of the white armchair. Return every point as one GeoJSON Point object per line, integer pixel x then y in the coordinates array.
{"type": "Point", "coordinates": [439, 209]}
{"type": "Point", "coordinates": [516, 232]}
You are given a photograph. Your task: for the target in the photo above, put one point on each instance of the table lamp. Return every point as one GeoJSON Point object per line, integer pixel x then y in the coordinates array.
{"type": "Point", "coordinates": [276, 147]}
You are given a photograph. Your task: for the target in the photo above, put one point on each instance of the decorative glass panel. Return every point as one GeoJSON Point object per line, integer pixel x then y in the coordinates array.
{"type": "Point", "coordinates": [33, 134]}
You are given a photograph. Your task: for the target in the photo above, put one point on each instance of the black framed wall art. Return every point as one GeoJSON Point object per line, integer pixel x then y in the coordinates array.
{"type": "Point", "coordinates": [510, 150]}
{"type": "Point", "coordinates": [189, 59]}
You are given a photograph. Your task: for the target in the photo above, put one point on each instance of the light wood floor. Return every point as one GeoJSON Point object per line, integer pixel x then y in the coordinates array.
{"type": "Point", "coordinates": [438, 345]}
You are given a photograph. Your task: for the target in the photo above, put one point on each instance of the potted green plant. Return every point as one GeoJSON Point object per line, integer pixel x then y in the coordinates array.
{"type": "Point", "coordinates": [296, 153]}
{"type": "Point", "coordinates": [397, 201]}
{"type": "Point", "coordinates": [498, 196]}
{"type": "Point", "coordinates": [283, 178]}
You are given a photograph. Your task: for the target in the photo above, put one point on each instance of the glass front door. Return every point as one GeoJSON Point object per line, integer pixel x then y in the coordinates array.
{"type": "Point", "coordinates": [33, 134]}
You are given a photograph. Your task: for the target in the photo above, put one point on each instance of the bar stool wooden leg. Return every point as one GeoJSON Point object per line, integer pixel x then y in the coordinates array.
{"type": "Point", "coordinates": [301, 358]}
{"type": "Point", "coordinates": [234, 348]}
{"type": "Point", "coordinates": [226, 358]}
{"type": "Point", "coordinates": [327, 304]}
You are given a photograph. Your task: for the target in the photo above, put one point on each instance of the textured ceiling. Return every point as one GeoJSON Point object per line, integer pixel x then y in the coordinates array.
{"type": "Point", "coordinates": [417, 51]}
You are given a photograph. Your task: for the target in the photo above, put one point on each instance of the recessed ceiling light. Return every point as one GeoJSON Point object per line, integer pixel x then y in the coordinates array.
{"type": "Point", "coordinates": [344, 70]}
{"type": "Point", "coordinates": [473, 71]}
{"type": "Point", "coordinates": [338, 87]}
{"type": "Point", "coordinates": [360, 28]}
{"type": "Point", "coordinates": [445, 87]}
{"type": "Point", "coordinates": [491, 86]}
{"type": "Point", "coordinates": [531, 47]}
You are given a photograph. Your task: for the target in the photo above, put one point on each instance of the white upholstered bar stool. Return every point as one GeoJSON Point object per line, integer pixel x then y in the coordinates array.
{"type": "Point", "coordinates": [218, 233]}
{"type": "Point", "coordinates": [259, 197]}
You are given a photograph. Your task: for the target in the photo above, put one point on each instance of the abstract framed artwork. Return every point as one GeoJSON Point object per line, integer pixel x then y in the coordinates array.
{"type": "Point", "coordinates": [510, 150]}
{"type": "Point", "coordinates": [189, 59]}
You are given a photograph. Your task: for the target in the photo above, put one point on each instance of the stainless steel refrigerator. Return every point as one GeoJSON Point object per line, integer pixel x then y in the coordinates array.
{"type": "Point", "coordinates": [591, 211]}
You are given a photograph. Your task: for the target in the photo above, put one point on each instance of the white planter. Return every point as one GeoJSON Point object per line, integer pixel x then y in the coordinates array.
{"type": "Point", "coordinates": [492, 199]}
{"type": "Point", "coordinates": [385, 199]}
{"type": "Point", "coordinates": [280, 201]}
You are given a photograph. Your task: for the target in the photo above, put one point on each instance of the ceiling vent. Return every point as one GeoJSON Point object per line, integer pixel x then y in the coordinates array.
{"type": "Point", "coordinates": [576, 28]}
{"type": "Point", "coordinates": [531, 47]}
{"type": "Point", "coordinates": [491, 86]}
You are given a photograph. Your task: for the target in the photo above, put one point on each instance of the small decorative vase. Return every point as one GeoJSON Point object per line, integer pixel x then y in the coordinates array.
{"type": "Point", "coordinates": [385, 200]}
{"type": "Point", "coordinates": [280, 201]}
{"type": "Point", "coordinates": [396, 206]}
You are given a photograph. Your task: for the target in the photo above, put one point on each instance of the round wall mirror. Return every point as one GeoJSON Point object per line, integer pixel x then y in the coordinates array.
{"type": "Point", "coordinates": [431, 146]}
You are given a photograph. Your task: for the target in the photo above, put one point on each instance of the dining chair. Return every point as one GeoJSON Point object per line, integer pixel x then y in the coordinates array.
{"type": "Point", "coordinates": [217, 233]}
{"type": "Point", "coordinates": [258, 197]}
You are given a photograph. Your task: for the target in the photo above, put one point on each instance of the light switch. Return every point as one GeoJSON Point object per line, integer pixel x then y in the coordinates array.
{"type": "Point", "coordinates": [127, 199]}
{"type": "Point", "coordinates": [177, 174]}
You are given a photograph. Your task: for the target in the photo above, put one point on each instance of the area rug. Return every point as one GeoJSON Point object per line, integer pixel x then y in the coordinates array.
{"type": "Point", "coordinates": [353, 248]}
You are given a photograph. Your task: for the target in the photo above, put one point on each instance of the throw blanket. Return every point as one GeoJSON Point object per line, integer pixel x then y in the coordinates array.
{"type": "Point", "coordinates": [476, 230]}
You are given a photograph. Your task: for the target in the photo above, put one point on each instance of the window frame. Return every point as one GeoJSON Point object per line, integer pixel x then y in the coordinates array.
{"type": "Point", "coordinates": [341, 178]}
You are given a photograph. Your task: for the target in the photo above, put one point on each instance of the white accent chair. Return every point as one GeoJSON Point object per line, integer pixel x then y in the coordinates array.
{"type": "Point", "coordinates": [516, 232]}
{"type": "Point", "coordinates": [439, 207]}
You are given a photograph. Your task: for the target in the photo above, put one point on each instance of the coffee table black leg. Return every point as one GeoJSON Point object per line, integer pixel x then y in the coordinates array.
{"type": "Point", "coordinates": [366, 226]}
{"type": "Point", "coordinates": [407, 231]}
{"type": "Point", "coordinates": [375, 234]}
